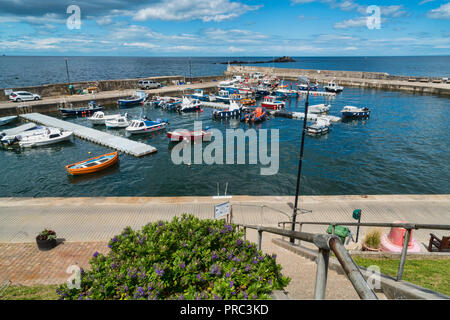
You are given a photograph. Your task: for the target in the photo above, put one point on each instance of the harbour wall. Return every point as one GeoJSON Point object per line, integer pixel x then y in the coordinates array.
{"type": "Point", "coordinates": [59, 89]}
{"type": "Point", "coordinates": [375, 80]}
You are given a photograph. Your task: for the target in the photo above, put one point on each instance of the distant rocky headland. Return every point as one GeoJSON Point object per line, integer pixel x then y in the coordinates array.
{"type": "Point", "coordinates": [282, 59]}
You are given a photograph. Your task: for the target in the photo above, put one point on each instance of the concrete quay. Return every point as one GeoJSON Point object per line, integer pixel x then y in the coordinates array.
{"type": "Point", "coordinates": [51, 104]}
{"type": "Point", "coordinates": [370, 80]}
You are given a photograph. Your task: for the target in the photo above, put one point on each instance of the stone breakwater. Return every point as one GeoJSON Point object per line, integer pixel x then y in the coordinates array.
{"type": "Point", "coordinates": [375, 80]}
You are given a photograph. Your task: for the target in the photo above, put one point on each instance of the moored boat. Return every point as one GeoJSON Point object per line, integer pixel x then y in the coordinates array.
{"type": "Point", "coordinates": [146, 125]}
{"type": "Point", "coordinates": [93, 164]}
{"type": "Point", "coordinates": [99, 117]}
{"type": "Point", "coordinates": [355, 112]}
{"type": "Point", "coordinates": [321, 126]}
{"type": "Point", "coordinates": [189, 105]}
{"type": "Point", "coordinates": [199, 95]}
{"type": "Point", "coordinates": [183, 134]}
{"type": "Point", "coordinates": [258, 115]}
{"type": "Point", "coordinates": [6, 120]}
{"type": "Point", "coordinates": [234, 110]}
{"type": "Point", "coordinates": [319, 108]}
{"type": "Point", "coordinates": [271, 102]}
{"type": "Point", "coordinates": [82, 111]}
{"type": "Point", "coordinates": [49, 136]}
{"type": "Point", "coordinates": [137, 99]}
{"type": "Point", "coordinates": [121, 122]}
{"type": "Point", "coordinates": [333, 87]}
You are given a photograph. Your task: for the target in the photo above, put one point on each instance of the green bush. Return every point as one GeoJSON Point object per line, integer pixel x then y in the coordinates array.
{"type": "Point", "coordinates": [373, 239]}
{"type": "Point", "coordinates": [186, 258]}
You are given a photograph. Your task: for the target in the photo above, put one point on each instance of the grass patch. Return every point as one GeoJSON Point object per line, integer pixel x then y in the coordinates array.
{"type": "Point", "coordinates": [431, 274]}
{"type": "Point", "coordinates": [37, 292]}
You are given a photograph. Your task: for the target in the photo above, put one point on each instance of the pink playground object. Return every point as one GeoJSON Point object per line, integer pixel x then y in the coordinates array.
{"type": "Point", "coordinates": [393, 242]}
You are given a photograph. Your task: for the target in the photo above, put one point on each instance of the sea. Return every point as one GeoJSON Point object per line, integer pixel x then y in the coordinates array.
{"type": "Point", "coordinates": [403, 148]}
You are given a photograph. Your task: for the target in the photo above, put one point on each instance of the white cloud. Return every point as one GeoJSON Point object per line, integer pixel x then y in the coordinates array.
{"type": "Point", "coordinates": [142, 45]}
{"type": "Point", "coordinates": [443, 12]}
{"type": "Point", "coordinates": [351, 23]}
{"type": "Point", "coordinates": [205, 10]}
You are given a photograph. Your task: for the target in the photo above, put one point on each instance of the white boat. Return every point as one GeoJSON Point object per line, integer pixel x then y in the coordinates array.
{"type": "Point", "coordinates": [319, 108]}
{"type": "Point", "coordinates": [333, 87]}
{"type": "Point", "coordinates": [355, 112]}
{"type": "Point", "coordinates": [321, 126]}
{"type": "Point", "coordinates": [121, 122]}
{"type": "Point", "coordinates": [6, 120]}
{"type": "Point", "coordinates": [190, 105]}
{"type": "Point", "coordinates": [49, 136]}
{"type": "Point", "coordinates": [99, 117]}
{"type": "Point", "coordinates": [145, 125]}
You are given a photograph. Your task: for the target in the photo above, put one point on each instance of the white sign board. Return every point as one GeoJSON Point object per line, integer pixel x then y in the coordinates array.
{"type": "Point", "coordinates": [8, 92]}
{"type": "Point", "coordinates": [221, 210]}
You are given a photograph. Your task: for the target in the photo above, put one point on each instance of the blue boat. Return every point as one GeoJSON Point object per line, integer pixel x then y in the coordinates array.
{"type": "Point", "coordinates": [130, 101]}
{"type": "Point", "coordinates": [83, 111]}
{"type": "Point", "coordinates": [233, 111]}
{"type": "Point", "coordinates": [146, 125]}
{"type": "Point", "coordinates": [198, 94]}
{"type": "Point", "coordinates": [6, 120]}
{"type": "Point", "coordinates": [225, 96]}
{"type": "Point", "coordinates": [354, 112]}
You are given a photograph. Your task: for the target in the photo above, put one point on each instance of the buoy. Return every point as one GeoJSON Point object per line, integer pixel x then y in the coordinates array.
{"type": "Point", "coordinates": [89, 152]}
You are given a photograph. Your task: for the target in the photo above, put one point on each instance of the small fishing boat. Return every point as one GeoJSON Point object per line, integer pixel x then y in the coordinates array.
{"type": "Point", "coordinates": [286, 93]}
{"type": "Point", "coordinates": [99, 117]}
{"type": "Point", "coordinates": [138, 98]}
{"type": "Point", "coordinates": [189, 105]}
{"type": "Point", "coordinates": [271, 102]}
{"type": "Point", "coordinates": [355, 112]}
{"type": "Point", "coordinates": [146, 125]}
{"type": "Point", "coordinates": [234, 110]}
{"type": "Point", "coordinates": [13, 136]}
{"type": "Point", "coordinates": [333, 87]}
{"type": "Point", "coordinates": [321, 126]}
{"type": "Point", "coordinates": [258, 115]}
{"type": "Point", "coordinates": [304, 87]}
{"type": "Point", "coordinates": [82, 111]}
{"type": "Point", "coordinates": [93, 165]}
{"type": "Point", "coordinates": [319, 108]}
{"type": "Point", "coordinates": [49, 136]}
{"type": "Point", "coordinates": [248, 101]}
{"type": "Point", "coordinates": [199, 95]}
{"type": "Point", "coordinates": [225, 96]}
{"type": "Point", "coordinates": [121, 122]}
{"type": "Point", "coordinates": [183, 134]}
{"type": "Point", "coordinates": [6, 120]}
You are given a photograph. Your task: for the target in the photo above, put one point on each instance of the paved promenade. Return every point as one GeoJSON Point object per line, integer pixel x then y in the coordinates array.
{"type": "Point", "coordinates": [99, 219]}
{"type": "Point", "coordinates": [86, 224]}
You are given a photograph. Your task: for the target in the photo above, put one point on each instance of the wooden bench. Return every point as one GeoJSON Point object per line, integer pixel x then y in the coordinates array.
{"type": "Point", "coordinates": [438, 243]}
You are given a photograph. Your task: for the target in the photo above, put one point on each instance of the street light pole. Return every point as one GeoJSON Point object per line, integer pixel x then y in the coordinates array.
{"type": "Point", "coordinates": [299, 173]}
{"type": "Point", "coordinates": [67, 70]}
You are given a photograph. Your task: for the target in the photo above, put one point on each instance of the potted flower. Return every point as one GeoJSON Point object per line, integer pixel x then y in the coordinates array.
{"type": "Point", "coordinates": [46, 239]}
{"type": "Point", "coordinates": [372, 241]}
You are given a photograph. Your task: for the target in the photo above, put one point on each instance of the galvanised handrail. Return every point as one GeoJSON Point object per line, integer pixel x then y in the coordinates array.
{"type": "Point", "coordinates": [325, 243]}
{"type": "Point", "coordinates": [406, 237]}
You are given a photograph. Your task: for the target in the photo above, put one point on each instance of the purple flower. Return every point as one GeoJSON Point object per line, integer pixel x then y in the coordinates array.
{"type": "Point", "coordinates": [114, 239]}
{"type": "Point", "coordinates": [113, 266]}
{"type": "Point", "coordinates": [95, 254]}
{"type": "Point", "coordinates": [233, 270]}
{"type": "Point", "coordinates": [231, 284]}
{"type": "Point", "coordinates": [239, 242]}
{"type": "Point", "coordinates": [247, 268]}
{"type": "Point", "coordinates": [181, 297]}
{"type": "Point", "coordinates": [182, 265]}
{"type": "Point", "coordinates": [109, 246]}
{"type": "Point", "coordinates": [214, 256]}
{"type": "Point", "coordinates": [227, 275]}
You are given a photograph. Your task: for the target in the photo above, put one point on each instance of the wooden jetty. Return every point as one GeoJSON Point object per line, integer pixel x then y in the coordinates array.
{"type": "Point", "coordinates": [124, 145]}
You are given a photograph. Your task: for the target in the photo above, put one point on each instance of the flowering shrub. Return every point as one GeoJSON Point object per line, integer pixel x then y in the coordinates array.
{"type": "Point", "coordinates": [186, 258]}
{"type": "Point", "coordinates": [47, 234]}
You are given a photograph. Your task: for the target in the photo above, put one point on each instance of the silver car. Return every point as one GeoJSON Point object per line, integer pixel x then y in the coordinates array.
{"type": "Point", "coordinates": [18, 96]}
{"type": "Point", "coordinates": [149, 84]}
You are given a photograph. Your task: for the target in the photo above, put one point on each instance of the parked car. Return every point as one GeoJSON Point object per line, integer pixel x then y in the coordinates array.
{"type": "Point", "coordinates": [18, 96]}
{"type": "Point", "coordinates": [149, 84]}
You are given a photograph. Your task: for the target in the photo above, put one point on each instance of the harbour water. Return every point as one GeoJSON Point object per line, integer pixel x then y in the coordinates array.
{"type": "Point", "coordinates": [32, 71]}
{"type": "Point", "coordinates": [402, 149]}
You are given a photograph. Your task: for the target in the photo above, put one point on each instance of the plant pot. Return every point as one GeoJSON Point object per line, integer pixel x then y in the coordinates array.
{"type": "Point", "coordinates": [367, 248]}
{"type": "Point", "coordinates": [46, 244]}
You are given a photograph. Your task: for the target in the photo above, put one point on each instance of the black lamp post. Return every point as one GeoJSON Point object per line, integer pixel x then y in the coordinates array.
{"type": "Point", "coordinates": [67, 70]}
{"type": "Point", "coordinates": [299, 173]}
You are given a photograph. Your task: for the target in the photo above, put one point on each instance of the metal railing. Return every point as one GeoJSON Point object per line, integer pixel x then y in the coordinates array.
{"type": "Point", "coordinates": [406, 237]}
{"type": "Point", "coordinates": [325, 243]}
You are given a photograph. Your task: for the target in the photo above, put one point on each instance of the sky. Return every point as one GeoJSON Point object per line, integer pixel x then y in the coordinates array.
{"type": "Point", "coordinates": [224, 28]}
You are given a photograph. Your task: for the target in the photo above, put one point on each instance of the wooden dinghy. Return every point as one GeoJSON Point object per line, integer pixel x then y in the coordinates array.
{"type": "Point", "coordinates": [93, 165]}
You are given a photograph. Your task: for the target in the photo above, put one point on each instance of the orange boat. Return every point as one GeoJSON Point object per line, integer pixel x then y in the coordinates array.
{"type": "Point", "coordinates": [94, 164]}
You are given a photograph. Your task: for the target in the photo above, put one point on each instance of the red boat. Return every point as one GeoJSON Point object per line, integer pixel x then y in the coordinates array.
{"type": "Point", "coordinates": [181, 134]}
{"type": "Point", "coordinates": [271, 102]}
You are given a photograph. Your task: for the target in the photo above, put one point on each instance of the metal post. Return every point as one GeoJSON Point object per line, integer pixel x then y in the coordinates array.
{"type": "Point", "coordinates": [259, 238]}
{"type": "Point", "coordinates": [299, 173]}
{"type": "Point", "coordinates": [321, 274]}
{"type": "Point", "coordinates": [67, 70]}
{"type": "Point", "coordinates": [300, 227]}
{"type": "Point", "coordinates": [406, 238]}
{"type": "Point", "coordinates": [245, 233]}
{"type": "Point", "coordinates": [357, 229]}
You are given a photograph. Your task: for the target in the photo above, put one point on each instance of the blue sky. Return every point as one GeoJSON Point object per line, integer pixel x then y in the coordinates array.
{"type": "Point", "coordinates": [225, 28]}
